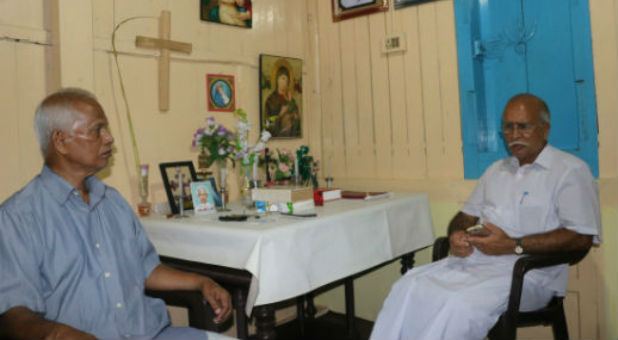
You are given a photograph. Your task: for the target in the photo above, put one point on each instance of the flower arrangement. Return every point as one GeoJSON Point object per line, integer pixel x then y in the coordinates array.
{"type": "Point", "coordinates": [217, 140]}
{"type": "Point", "coordinates": [280, 164]}
{"type": "Point", "coordinates": [245, 152]}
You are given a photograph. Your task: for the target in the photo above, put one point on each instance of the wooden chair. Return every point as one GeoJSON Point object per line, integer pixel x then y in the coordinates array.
{"type": "Point", "coordinates": [552, 314]}
{"type": "Point", "coordinates": [200, 312]}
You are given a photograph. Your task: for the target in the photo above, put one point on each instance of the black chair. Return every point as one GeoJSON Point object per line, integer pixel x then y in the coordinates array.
{"type": "Point", "coordinates": [200, 312]}
{"type": "Point", "coordinates": [552, 314]}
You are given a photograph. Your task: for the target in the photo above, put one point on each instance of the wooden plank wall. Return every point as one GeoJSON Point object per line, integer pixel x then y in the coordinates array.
{"type": "Point", "coordinates": [389, 116]}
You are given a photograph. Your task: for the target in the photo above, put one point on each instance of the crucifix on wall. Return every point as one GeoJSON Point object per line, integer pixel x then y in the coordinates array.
{"type": "Point", "coordinates": [165, 45]}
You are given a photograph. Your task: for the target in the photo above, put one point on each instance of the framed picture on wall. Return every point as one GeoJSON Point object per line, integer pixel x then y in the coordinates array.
{"type": "Point", "coordinates": [346, 9]}
{"type": "Point", "coordinates": [177, 178]}
{"type": "Point", "coordinates": [221, 92]}
{"type": "Point", "coordinates": [281, 96]}
{"type": "Point", "coordinates": [406, 3]}
{"type": "Point", "coordinates": [230, 12]}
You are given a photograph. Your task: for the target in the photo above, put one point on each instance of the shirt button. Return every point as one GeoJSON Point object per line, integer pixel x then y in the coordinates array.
{"type": "Point", "coordinates": [98, 245]}
{"type": "Point", "coordinates": [119, 305]}
{"type": "Point", "coordinates": [107, 274]}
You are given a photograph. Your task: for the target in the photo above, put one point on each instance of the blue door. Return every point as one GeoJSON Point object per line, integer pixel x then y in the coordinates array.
{"type": "Point", "coordinates": [507, 47]}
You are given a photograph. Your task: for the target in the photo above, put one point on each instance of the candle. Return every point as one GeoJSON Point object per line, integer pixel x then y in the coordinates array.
{"type": "Point", "coordinates": [255, 174]}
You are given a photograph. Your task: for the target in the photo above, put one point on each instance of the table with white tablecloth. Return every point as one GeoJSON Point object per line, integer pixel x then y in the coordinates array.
{"type": "Point", "coordinates": [288, 256]}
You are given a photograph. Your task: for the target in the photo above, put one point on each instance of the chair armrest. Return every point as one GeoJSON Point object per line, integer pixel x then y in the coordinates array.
{"type": "Point", "coordinates": [200, 312]}
{"type": "Point", "coordinates": [524, 264]}
{"type": "Point", "coordinates": [441, 247]}
{"type": "Point", "coordinates": [533, 261]}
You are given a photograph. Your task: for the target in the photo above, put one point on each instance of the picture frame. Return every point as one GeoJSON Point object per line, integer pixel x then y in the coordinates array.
{"type": "Point", "coordinates": [346, 9]}
{"type": "Point", "coordinates": [203, 200]}
{"type": "Point", "coordinates": [405, 3]}
{"type": "Point", "coordinates": [170, 173]}
{"type": "Point", "coordinates": [213, 184]}
{"type": "Point", "coordinates": [281, 98]}
{"type": "Point", "coordinates": [221, 93]}
{"type": "Point", "coordinates": [227, 12]}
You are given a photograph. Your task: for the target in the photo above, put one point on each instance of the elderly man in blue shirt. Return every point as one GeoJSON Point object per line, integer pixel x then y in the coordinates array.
{"type": "Point", "coordinates": [75, 258]}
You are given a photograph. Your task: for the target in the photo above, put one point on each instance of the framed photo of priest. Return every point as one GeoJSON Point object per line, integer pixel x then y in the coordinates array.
{"type": "Point", "coordinates": [281, 96]}
{"type": "Point", "coordinates": [177, 178]}
{"type": "Point", "coordinates": [346, 9]}
{"type": "Point", "coordinates": [221, 92]}
{"type": "Point", "coordinates": [230, 12]}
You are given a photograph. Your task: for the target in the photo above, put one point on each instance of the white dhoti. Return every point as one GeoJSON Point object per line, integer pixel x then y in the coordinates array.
{"type": "Point", "coordinates": [455, 298]}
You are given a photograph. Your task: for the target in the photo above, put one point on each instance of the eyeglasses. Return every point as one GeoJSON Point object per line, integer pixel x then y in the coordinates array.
{"type": "Point", "coordinates": [524, 128]}
{"type": "Point", "coordinates": [94, 133]}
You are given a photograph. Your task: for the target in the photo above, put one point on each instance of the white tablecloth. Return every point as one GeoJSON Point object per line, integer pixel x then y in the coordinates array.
{"type": "Point", "coordinates": [291, 256]}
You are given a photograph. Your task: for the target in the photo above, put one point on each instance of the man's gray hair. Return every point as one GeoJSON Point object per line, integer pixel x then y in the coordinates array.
{"type": "Point", "coordinates": [57, 113]}
{"type": "Point", "coordinates": [543, 108]}
{"type": "Point", "coordinates": [545, 117]}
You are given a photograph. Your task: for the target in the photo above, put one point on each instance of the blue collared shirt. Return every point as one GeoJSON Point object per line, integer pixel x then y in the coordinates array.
{"type": "Point", "coordinates": [82, 264]}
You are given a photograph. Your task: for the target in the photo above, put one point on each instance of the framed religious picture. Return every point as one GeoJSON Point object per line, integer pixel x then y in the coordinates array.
{"type": "Point", "coordinates": [215, 194]}
{"type": "Point", "coordinates": [406, 3]}
{"type": "Point", "coordinates": [221, 92]}
{"type": "Point", "coordinates": [230, 12]}
{"type": "Point", "coordinates": [281, 96]}
{"type": "Point", "coordinates": [203, 199]}
{"type": "Point", "coordinates": [346, 9]}
{"type": "Point", "coordinates": [177, 178]}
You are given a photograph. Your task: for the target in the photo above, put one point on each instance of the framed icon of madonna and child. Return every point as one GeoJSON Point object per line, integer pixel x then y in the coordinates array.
{"type": "Point", "coordinates": [230, 12]}
{"type": "Point", "coordinates": [281, 96]}
{"type": "Point", "coordinates": [221, 92]}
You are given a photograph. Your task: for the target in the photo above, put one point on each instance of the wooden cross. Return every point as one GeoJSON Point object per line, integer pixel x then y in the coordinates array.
{"type": "Point", "coordinates": [165, 45]}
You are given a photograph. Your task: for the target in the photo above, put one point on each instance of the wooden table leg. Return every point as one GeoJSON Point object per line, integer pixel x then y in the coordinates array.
{"type": "Point", "coordinates": [350, 316]}
{"type": "Point", "coordinates": [311, 310]}
{"type": "Point", "coordinates": [242, 327]}
{"type": "Point", "coordinates": [407, 262]}
{"type": "Point", "coordinates": [300, 314]}
{"type": "Point", "coordinates": [265, 322]}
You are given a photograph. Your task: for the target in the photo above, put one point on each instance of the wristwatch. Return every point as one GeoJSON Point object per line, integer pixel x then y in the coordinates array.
{"type": "Point", "coordinates": [518, 248]}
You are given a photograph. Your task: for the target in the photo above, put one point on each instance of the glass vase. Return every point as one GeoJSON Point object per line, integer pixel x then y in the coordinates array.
{"type": "Point", "coordinates": [222, 170]}
{"type": "Point", "coordinates": [143, 207]}
{"type": "Point", "coordinates": [244, 183]}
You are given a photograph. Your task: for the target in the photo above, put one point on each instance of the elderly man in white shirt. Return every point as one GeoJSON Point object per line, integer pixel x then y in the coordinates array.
{"type": "Point", "coordinates": [539, 200]}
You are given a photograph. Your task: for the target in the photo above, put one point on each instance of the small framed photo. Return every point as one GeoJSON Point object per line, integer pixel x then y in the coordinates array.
{"type": "Point", "coordinates": [203, 200]}
{"type": "Point", "coordinates": [346, 9]}
{"type": "Point", "coordinates": [177, 178]}
{"type": "Point", "coordinates": [230, 12]}
{"type": "Point", "coordinates": [221, 92]}
{"type": "Point", "coordinates": [281, 96]}
{"type": "Point", "coordinates": [215, 194]}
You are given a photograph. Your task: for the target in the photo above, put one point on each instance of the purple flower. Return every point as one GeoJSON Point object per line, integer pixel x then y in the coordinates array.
{"type": "Point", "coordinates": [210, 121]}
{"type": "Point", "coordinates": [221, 151]}
{"type": "Point", "coordinates": [222, 131]}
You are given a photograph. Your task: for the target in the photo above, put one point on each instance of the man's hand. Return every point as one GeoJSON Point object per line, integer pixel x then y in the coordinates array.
{"type": "Point", "coordinates": [460, 245]}
{"type": "Point", "coordinates": [496, 243]}
{"type": "Point", "coordinates": [22, 323]}
{"type": "Point", "coordinates": [166, 278]}
{"type": "Point", "coordinates": [218, 298]}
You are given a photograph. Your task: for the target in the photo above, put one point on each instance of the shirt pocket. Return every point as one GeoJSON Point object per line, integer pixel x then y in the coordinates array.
{"type": "Point", "coordinates": [532, 216]}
